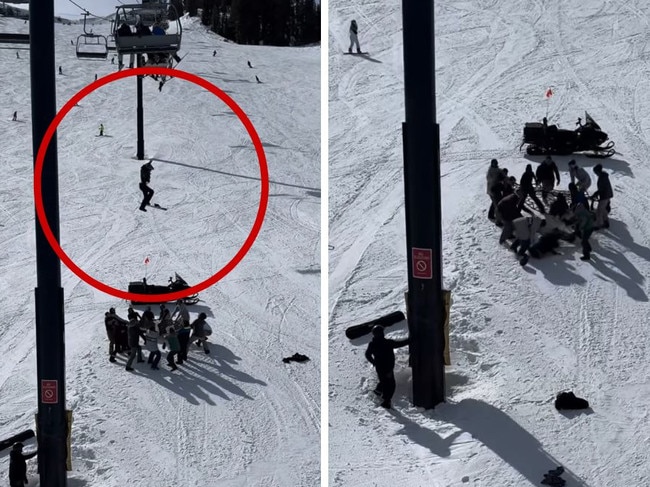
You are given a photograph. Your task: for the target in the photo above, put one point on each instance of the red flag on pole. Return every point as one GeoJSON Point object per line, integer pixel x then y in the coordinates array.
{"type": "Point", "coordinates": [146, 260]}
{"type": "Point", "coordinates": [549, 93]}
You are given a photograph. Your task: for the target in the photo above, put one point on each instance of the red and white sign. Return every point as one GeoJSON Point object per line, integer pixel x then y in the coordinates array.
{"type": "Point", "coordinates": [49, 391]}
{"type": "Point", "coordinates": [422, 263]}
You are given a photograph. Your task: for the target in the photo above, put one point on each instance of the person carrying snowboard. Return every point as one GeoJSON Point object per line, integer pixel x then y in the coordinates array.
{"type": "Point", "coordinates": [145, 178]}
{"type": "Point", "coordinates": [354, 30]}
{"type": "Point", "coordinates": [380, 354]}
{"type": "Point", "coordinates": [18, 465]}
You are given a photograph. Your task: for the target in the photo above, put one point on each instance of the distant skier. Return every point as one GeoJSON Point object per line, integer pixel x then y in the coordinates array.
{"type": "Point", "coordinates": [60, 70]}
{"type": "Point", "coordinates": [145, 178]}
{"type": "Point", "coordinates": [101, 129]}
{"type": "Point", "coordinates": [113, 60]}
{"type": "Point", "coordinates": [354, 30]}
{"type": "Point", "coordinates": [71, 42]}
{"type": "Point", "coordinates": [17, 55]}
{"type": "Point", "coordinates": [249, 64]}
{"type": "Point", "coordinates": [95, 76]}
{"type": "Point", "coordinates": [15, 117]}
{"type": "Point", "coordinates": [214, 53]}
{"type": "Point", "coordinates": [18, 465]}
{"type": "Point", "coordinates": [258, 80]}
{"type": "Point", "coordinates": [380, 354]}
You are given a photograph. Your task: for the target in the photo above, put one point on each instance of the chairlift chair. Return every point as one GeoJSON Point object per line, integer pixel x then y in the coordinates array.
{"type": "Point", "coordinates": [161, 46]}
{"type": "Point", "coordinates": [91, 46]}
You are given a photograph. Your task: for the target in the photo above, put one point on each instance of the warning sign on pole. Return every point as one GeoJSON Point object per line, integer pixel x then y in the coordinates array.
{"type": "Point", "coordinates": [49, 391]}
{"type": "Point", "coordinates": [422, 263]}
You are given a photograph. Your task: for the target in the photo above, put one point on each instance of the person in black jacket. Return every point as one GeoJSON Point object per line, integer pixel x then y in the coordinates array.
{"type": "Point", "coordinates": [547, 172]}
{"type": "Point", "coordinates": [380, 354]}
{"type": "Point", "coordinates": [527, 188]}
{"type": "Point", "coordinates": [354, 39]}
{"type": "Point", "coordinates": [135, 333]}
{"type": "Point", "coordinates": [145, 178]}
{"type": "Point", "coordinates": [18, 465]}
{"type": "Point", "coordinates": [603, 195]}
{"type": "Point", "coordinates": [509, 208]}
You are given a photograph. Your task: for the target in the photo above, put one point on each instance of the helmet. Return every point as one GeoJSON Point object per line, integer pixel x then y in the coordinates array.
{"type": "Point", "coordinates": [18, 446]}
{"type": "Point", "coordinates": [202, 316]}
{"type": "Point", "coordinates": [112, 310]}
{"type": "Point", "coordinates": [378, 331]}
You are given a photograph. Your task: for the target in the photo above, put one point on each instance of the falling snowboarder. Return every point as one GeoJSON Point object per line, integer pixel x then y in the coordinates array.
{"type": "Point", "coordinates": [249, 64]}
{"type": "Point", "coordinates": [15, 117]}
{"type": "Point", "coordinates": [101, 129]}
{"type": "Point", "coordinates": [354, 29]}
{"type": "Point", "coordinates": [145, 178]}
{"type": "Point", "coordinates": [258, 80]}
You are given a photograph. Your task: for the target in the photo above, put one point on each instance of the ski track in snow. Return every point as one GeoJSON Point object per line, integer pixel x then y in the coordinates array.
{"type": "Point", "coordinates": [238, 416]}
{"type": "Point", "coordinates": [518, 335]}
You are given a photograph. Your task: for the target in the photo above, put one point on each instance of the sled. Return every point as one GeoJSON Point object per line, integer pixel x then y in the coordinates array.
{"type": "Point", "coordinates": [356, 331]}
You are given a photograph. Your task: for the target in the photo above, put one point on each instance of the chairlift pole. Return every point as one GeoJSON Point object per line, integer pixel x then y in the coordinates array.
{"type": "Point", "coordinates": [421, 138]}
{"type": "Point", "coordinates": [140, 111]}
{"type": "Point", "coordinates": [50, 322]}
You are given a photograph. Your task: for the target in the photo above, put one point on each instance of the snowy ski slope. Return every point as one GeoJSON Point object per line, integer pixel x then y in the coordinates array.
{"type": "Point", "coordinates": [236, 417]}
{"type": "Point", "coordinates": [518, 335]}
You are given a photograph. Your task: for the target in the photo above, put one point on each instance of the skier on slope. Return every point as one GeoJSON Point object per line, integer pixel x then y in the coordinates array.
{"type": "Point", "coordinates": [145, 178]}
{"type": "Point", "coordinates": [380, 354]}
{"type": "Point", "coordinates": [354, 39]}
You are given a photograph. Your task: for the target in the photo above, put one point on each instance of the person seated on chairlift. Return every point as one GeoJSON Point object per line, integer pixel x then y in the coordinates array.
{"type": "Point", "coordinates": [124, 30]}
{"type": "Point", "coordinates": [141, 29]}
{"type": "Point", "coordinates": [158, 30]}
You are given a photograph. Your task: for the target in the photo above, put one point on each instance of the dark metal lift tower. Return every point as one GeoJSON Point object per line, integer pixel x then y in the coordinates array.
{"type": "Point", "coordinates": [50, 346]}
{"type": "Point", "coordinates": [421, 138]}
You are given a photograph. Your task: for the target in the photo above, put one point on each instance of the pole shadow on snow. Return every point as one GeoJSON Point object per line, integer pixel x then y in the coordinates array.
{"type": "Point", "coordinates": [367, 57]}
{"type": "Point", "coordinates": [253, 178]}
{"type": "Point", "coordinates": [496, 431]}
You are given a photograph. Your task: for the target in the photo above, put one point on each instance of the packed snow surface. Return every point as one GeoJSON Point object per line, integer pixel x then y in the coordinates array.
{"type": "Point", "coordinates": [518, 335]}
{"type": "Point", "coordinates": [236, 417]}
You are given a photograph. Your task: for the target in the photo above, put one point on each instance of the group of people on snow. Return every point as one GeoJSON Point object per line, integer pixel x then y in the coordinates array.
{"type": "Point", "coordinates": [174, 329]}
{"type": "Point", "coordinates": [536, 235]}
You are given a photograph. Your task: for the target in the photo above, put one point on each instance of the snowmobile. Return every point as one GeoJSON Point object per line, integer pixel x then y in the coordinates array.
{"type": "Point", "coordinates": [544, 139]}
{"type": "Point", "coordinates": [176, 284]}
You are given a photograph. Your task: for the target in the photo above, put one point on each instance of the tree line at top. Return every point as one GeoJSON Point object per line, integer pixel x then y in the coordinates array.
{"type": "Point", "coordinates": [268, 22]}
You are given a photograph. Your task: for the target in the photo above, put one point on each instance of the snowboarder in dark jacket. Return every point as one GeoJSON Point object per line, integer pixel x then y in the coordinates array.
{"type": "Point", "coordinates": [354, 39]}
{"type": "Point", "coordinates": [527, 188]}
{"type": "Point", "coordinates": [18, 465]}
{"type": "Point", "coordinates": [145, 178]}
{"type": "Point", "coordinates": [380, 354]}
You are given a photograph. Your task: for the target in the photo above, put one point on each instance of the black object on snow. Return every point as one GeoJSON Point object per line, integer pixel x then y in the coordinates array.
{"type": "Point", "coordinates": [296, 357]}
{"type": "Point", "coordinates": [568, 400]}
{"type": "Point", "coordinates": [356, 331]}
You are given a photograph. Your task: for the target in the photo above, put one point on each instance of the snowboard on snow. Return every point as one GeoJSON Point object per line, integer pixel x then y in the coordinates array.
{"type": "Point", "coordinates": [356, 331]}
{"type": "Point", "coordinates": [356, 53]}
{"type": "Point", "coordinates": [156, 205]}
